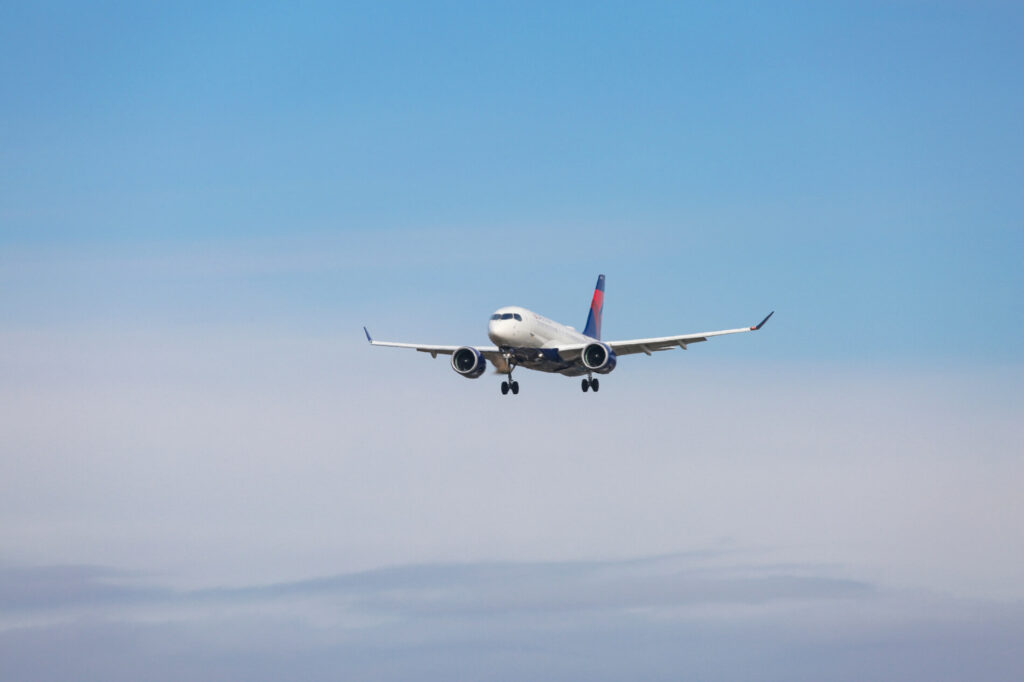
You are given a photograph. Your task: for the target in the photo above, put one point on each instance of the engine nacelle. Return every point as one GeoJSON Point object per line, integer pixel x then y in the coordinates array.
{"type": "Point", "coordinates": [469, 362]}
{"type": "Point", "coordinates": [598, 357]}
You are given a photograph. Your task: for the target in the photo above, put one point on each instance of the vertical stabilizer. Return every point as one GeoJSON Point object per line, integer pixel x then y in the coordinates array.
{"type": "Point", "coordinates": [593, 328]}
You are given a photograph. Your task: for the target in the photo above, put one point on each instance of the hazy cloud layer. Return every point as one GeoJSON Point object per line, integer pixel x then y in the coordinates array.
{"type": "Point", "coordinates": [446, 589]}
{"type": "Point", "coordinates": [226, 456]}
{"type": "Point", "coordinates": [709, 615]}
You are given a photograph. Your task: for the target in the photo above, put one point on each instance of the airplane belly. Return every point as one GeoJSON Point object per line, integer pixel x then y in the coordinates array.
{"type": "Point", "coordinates": [542, 359]}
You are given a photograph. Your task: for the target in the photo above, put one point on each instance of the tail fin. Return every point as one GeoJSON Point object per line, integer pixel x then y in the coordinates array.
{"type": "Point", "coordinates": [593, 328]}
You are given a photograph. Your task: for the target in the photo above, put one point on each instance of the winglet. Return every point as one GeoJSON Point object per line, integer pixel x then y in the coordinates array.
{"type": "Point", "coordinates": [370, 338]}
{"type": "Point", "coordinates": [754, 329]}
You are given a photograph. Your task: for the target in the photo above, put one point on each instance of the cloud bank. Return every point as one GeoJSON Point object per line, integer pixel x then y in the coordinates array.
{"type": "Point", "coordinates": [712, 615]}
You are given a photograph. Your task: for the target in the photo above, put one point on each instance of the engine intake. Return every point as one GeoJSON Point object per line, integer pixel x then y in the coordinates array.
{"type": "Point", "coordinates": [469, 362]}
{"type": "Point", "coordinates": [598, 357]}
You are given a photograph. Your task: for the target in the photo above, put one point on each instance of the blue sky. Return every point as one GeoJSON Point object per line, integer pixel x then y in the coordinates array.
{"type": "Point", "coordinates": [200, 207]}
{"type": "Point", "coordinates": [849, 165]}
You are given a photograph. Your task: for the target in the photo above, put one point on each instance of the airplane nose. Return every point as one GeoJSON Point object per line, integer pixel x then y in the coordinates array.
{"type": "Point", "coordinates": [493, 330]}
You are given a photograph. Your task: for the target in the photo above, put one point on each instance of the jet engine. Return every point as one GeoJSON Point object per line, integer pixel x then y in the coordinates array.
{"type": "Point", "coordinates": [469, 362]}
{"type": "Point", "coordinates": [598, 357]}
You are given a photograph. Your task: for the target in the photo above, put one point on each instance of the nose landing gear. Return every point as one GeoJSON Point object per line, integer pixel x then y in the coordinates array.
{"type": "Point", "coordinates": [511, 384]}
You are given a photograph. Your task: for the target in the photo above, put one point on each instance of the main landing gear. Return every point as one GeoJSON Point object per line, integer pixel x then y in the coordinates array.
{"type": "Point", "coordinates": [590, 382]}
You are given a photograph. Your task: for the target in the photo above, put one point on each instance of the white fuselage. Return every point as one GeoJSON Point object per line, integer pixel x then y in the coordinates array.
{"type": "Point", "coordinates": [522, 328]}
{"type": "Point", "coordinates": [533, 341]}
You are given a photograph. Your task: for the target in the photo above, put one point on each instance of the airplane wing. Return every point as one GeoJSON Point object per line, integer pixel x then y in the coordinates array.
{"type": "Point", "coordinates": [651, 345]}
{"type": "Point", "coordinates": [489, 352]}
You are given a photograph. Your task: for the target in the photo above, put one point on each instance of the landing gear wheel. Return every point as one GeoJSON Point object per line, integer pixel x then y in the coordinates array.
{"type": "Point", "coordinates": [595, 384]}
{"type": "Point", "coordinates": [585, 385]}
{"type": "Point", "coordinates": [515, 388]}
{"type": "Point", "coordinates": [504, 388]}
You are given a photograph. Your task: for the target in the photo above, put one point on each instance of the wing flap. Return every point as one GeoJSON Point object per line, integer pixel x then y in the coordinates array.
{"type": "Point", "coordinates": [434, 350]}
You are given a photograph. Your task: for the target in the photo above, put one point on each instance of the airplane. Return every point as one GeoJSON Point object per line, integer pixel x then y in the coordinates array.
{"type": "Point", "coordinates": [526, 339]}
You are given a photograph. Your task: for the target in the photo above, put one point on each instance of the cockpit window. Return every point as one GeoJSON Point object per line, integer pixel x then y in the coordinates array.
{"type": "Point", "coordinates": [518, 316]}
{"type": "Point", "coordinates": [506, 316]}
{"type": "Point", "coordinates": [496, 316]}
